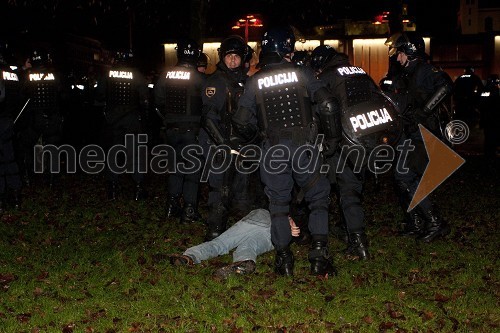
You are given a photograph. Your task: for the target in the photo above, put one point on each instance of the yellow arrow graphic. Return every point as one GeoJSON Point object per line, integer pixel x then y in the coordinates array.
{"type": "Point", "coordinates": [443, 162]}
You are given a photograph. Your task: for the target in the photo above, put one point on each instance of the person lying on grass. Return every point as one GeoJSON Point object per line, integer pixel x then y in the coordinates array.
{"type": "Point", "coordinates": [250, 237]}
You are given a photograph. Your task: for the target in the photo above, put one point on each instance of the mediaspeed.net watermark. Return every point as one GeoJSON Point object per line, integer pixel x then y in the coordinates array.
{"type": "Point", "coordinates": [136, 156]}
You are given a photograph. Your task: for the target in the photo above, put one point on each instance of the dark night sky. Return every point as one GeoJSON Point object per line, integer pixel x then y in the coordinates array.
{"type": "Point", "coordinates": [161, 19]}
{"type": "Point", "coordinates": [156, 21]}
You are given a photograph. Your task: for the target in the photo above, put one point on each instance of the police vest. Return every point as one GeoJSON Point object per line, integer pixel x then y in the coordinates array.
{"type": "Point", "coordinates": [182, 94]}
{"type": "Point", "coordinates": [282, 98]}
{"type": "Point", "coordinates": [44, 94]}
{"type": "Point", "coordinates": [9, 90]}
{"type": "Point", "coordinates": [120, 89]}
{"type": "Point", "coordinates": [369, 118]}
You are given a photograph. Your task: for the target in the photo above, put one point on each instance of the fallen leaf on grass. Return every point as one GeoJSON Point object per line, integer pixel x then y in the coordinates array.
{"type": "Point", "coordinates": [68, 328]}
{"type": "Point", "coordinates": [441, 298]}
{"type": "Point", "coordinates": [312, 311]}
{"type": "Point", "coordinates": [7, 278]}
{"type": "Point", "coordinates": [397, 315]}
{"type": "Point", "coordinates": [38, 291]}
{"type": "Point", "coordinates": [23, 317]}
{"type": "Point", "coordinates": [42, 276]}
{"type": "Point", "coordinates": [386, 326]}
{"type": "Point", "coordinates": [426, 315]}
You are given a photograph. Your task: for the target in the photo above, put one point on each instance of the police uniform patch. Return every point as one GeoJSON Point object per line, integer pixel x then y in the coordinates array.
{"type": "Point", "coordinates": [210, 91]}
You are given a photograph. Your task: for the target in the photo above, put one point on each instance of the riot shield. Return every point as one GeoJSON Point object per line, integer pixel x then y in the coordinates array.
{"type": "Point", "coordinates": [372, 123]}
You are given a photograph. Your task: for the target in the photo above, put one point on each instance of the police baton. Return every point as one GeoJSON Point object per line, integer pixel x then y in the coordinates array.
{"type": "Point", "coordinates": [20, 113]}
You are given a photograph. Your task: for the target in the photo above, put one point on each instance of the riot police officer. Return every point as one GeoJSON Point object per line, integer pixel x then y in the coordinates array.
{"type": "Point", "coordinates": [178, 98]}
{"type": "Point", "coordinates": [421, 89]}
{"type": "Point", "coordinates": [277, 103]}
{"type": "Point", "coordinates": [357, 94]}
{"type": "Point", "coordinates": [220, 98]}
{"type": "Point", "coordinates": [466, 91]}
{"type": "Point", "coordinates": [124, 92]}
{"type": "Point", "coordinates": [10, 106]}
{"type": "Point", "coordinates": [42, 118]}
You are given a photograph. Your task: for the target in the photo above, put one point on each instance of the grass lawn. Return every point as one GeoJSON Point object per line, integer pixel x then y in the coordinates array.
{"type": "Point", "coordinates": [72, 262]}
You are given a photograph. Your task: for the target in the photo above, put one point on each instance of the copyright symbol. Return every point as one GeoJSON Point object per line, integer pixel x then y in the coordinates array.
{"type": "Point", "coordinates": [456, 132]}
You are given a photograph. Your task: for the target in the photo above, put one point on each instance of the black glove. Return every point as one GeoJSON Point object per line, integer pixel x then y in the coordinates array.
{"type": "Point", "coordinates": [235, 143]}
{"type": "Point", "coordinates": [330, 146]}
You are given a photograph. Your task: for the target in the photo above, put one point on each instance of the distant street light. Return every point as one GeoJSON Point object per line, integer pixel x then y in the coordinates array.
{"type": "Point", "coordinates": [249, 21]}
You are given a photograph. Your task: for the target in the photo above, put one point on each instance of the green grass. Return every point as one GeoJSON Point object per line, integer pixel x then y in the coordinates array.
{"type": "Point", "coordinates": [72, 262]}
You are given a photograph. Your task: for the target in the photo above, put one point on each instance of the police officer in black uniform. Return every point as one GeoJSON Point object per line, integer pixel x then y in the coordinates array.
{"type": "Point", "coordinates": [220, 99]}
{"type": "Point", "coordinates": [420, 90]}
{"type": "Point", "coordinates": [351, 86]}
{"type": "Point", "coordinates": [277, 103]}
{"type": "Point", "coordinates": [178, 97]}
{"type": "Point", "coordinates": [42, 118]}
{"type": "Point", "coordinates": [124, 90]}
{"type": "Point", "coordinates": [466, 91]}
{"type": "Point", "coordinates": [10, 106]}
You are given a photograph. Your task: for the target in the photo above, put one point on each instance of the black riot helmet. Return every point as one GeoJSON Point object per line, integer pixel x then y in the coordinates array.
{"type": "Point", "coordinates": [202, 60]}
{"type": "Point", "coordinates": [39, 58]}
{"type": "Point", "coordinates": [408, 43]}
{"type": "Point", "coordinates": [188, 51]}
{"type": "Point", "coordinates": [278, 40]}
{"type": "Point", "coordinates": [321, 56]}
{"type": "Point", "coordinates": [124, 57]}
{"type": "Point", "coordinates": [233, 45]}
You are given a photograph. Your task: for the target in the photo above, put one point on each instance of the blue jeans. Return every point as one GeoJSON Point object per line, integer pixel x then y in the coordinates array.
{"type": "Point", "coordinates": [251, 236]}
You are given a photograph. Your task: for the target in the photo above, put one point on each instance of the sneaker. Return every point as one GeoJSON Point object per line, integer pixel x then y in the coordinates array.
{"type": "Point", "coordinates": [239, 267]}
{"type": "Point", "coordinates": [180, 260]}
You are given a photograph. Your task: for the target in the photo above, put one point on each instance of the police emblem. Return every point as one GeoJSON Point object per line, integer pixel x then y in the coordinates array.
{"type": "Point", "coordinates": [210, 91]}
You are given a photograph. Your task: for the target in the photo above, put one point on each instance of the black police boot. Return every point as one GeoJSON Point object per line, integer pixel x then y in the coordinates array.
{"type": "Point", "coordinates": [413, 224]}
{"type": "Point", "coordinates": [217, 221]}
{"type": "Point", "coordinates": [434, 227]}
{"type": "Point", "coordinates": [358, 246]}
{"type": "Point", "coordinates": [340, 231]}
{"type": "Point", "coordinates": [140, 192]}
{"type": "Point", "coordinates": [320, 259]}
{"type": "Point", "coordinates": [112, 190]}
{"type": "Point", "coordinates": [283, 264]}
{"type": "Point", "coordinates": [173, 206]}
{"type": "Point", "coordinates": [189, 214]}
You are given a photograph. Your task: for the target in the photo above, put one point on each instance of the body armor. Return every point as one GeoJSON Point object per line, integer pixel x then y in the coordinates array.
{"type": "Point", "coordinates": [119, 88]}
{"type": "Point", "coordinates": [182, 95]}
{"type": "Point", "coordinates": [9, 91]}
{"type": "Point", "coordinates": [282, 100]}
{"type": "Point", "coordinates": [369, 118]}
{"type": "Point", "coordinates": [234, 90]}
{"type": "Point", "coordinates": [44, 90]}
